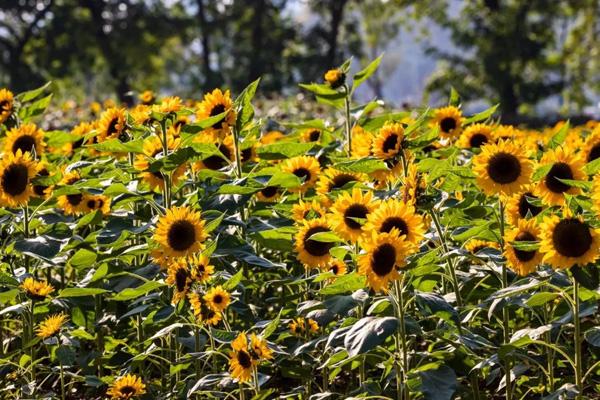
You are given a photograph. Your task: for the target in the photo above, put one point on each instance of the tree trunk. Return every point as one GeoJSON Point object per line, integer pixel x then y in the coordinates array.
{"type": "Point", "coordinates": [336, 9]}
{"type": "Point", "coordinates": [256, 63]}
{"type": "Point", "coordinates": [205, 39]}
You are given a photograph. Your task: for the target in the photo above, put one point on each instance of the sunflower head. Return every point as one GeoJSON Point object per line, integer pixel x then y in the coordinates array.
{"type": "Point", "coordinates": [302, 327]}
{"type": "Point", "coordinates": [92, 203]}
{"type": "Point", "coordinates": [51, 325]}
{"type": "Point", "coordinates": [147, 97]}
{"type": "Point", "coordinates": [217, 298]}
{"type": "Point", "coordinates": [568, 241]}
{"type": "Point", "coordinates": [311, 135]}
{"type": "Point", "coordinates": [268, 194]}
{"type": "Point", "coordinates": [180, 277]}
{"type": "Point", "coordinates": [16, 172]}
{"type": "Point", "coordinates": [362, 142]}
{"type": "Point", "coordinates": [306, 168]}
{"type": "Point", "coordinates": [36, 290]}
{"type": "Point", "coordinates": [6, 104]}
{"type": "Point", "coordinates": [112, 124]}
{"type": "Point", "coordinates": [271, 137]}
{"type": "Point", "coordinates": [126, 387]}
{"type": "Point", "coordinates": [388, 142]}
{"type": "Point", "coordinates": [449, 120]}
{"type": "Point", "coordinates": [153, 150]}
{"type": "Point", "coordinates": [474, 246]}
{"type": "Point", "coordinates": [259, 348]}
{"type": "Point", "coordinates": [241, 362]}
{"type": "Point", "coordinates": [28, 138]}
{"type": "Point", "coordinates": [501, 168]}
{"type": "Point", "coordinates": [384, 254]}
{"type": "Point", "coordinates": [311, 252]}
{"type": "Point", "coordinates": [350, 212]}
{"type": "Point", "coordinates": [180, 232]}
{"type": "Point", "coordinates": [475, 136]}
{"type": "Point", "coordinates": [215, 103]}
{"type": "Point", "coordinates": [335, 78]}
{"type": "Point", "coordinates": [522, 261]}
{"type": "Point", "coordinates": [200, 267]}
{"type": "Point", "coordinates": [521, 205]}
{"type": "Point", "coordinates": [563, 165]}
{"type": "Point", "coordinates": [591, 148]}
{"type": "Point", "coordinates": [202, 312]}
{"type": "Point", "coordinates": [168, 105]}
{"type": "Point", "coordinates": [141, 114]}
{"type": "Point", "coordinates": [306, 210]}
{"type": "Point", "coordinates": [216, 162]}
{"type": "Point", "coordinates": [332, 180]}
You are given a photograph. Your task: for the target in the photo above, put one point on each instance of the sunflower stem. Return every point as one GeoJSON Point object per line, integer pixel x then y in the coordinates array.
{"type": "Point", "coordinates": [197, 350]}
{"type": "Point", "coordinates": [401, 338]}
{"type": "Point", "coordinates": [31, 323]}
{"type": "Point", "coordinates": [238, 156]}
{"type": "Point", "coordinates": [348, 123]}
{"type": "Point", "coordinates": [505, 315]}
{"type": "Point", "coordinates": [26, 233]}
{"type": "Point", "coordinates": [62, 382]}
{"type": "Point", "coordinates": [577, 340]}
{"type": "Point", "coordinates": [255, 379]}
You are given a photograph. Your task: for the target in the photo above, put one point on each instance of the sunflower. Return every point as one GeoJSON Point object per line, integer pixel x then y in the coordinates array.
{"type": "Point", "coordinates": [202, 312]}
{"type": "Point", "coordinates": [153, 147]}
{"type": "Point", "coordinates": [168, 105]}
{"type": "Point", "coordinates": [337, 267]}
{"type": "Point", "coordinates": [259, 348]}
{"type": "Point", "coordinates": [362, 141]}
{"type": "Point", "coordinates": [213, 104]}
{"type": "Point", "coordinates": [271, 137]}
{"type": "Point", "coordinates": [147, 97]}
{"type": "Point", "coordinates": [304, 167]}
{"type": "Point", "coordinates": [473, 246]}
{"type": "Point", "coordinates": [200, 266]}
{"type": "Point", "coordinates": [16, 172]}
{"type": "Point", "coordinates": [300, 326]}
{"type": "Point", "coordinates": [335, 78]}
{"type": "Point", "coordinates": [568, 241]}
{"type": "Point", "coordinates": [78, 133]}
{"type": "Point", "coordinates": [268, 194]}
{"type": "Point", "coordinates": [312, 252]}
{"type": "Point", "coordinates": [311, 135]}
{"type": "Point", "coordinates": [563, 165]}
{"type": "Point", "coordinates": [112, 124]}
{"type": "Point", "coordinates": [449, 120]}
{"type": "Point", "coordinates": [42, 191]}
{"type": "Point", "coordinates": [6, 104]}
{"type": "Point", "coordinates": [36, 290]}
{"type": "Point", "coordinates": [126, 387]}
{"type": "Point", "coordinates": [72, 204]}
{"type": "Point", "coordinates": [384, 254]}
{"type": "Point", "coordinates": [519, 205]}
{"type": "Point", "coordinates": [180, 232]}
{"type": "Point", "coordinates": [384, 177]}
{"type": "Point", "coordinates": [388, 142]}
{"type": "Point", "coordinates": [501, 168]}
{"type": "Point", "coordinates": [307, 210]}
{"type": "Point", "coordinates": [51, 325]}
{"type": "Point", "coordinates": [591, 147]}
{"type": "Point", "coordinates": [523, 262]}
{"type": "Point", "coordinates": [141, 114]}
{"type": "Point", "coordinates": [393, 213]}
{"type": "Point", "coordinates": [180, 277]}
{"type": "Point", "coordinates": [217, 298]}
{"type": "Point", "coordinates": [28, 138]}
{"type": "Point", "coordinates": [333, 179]}
{"type": "Point", "coordinates": [241, 363]}
{"type": "Point", "coordinates": [350, 212]}
{"type": "Point", "coordinates": [96, 202]}
{"type": "Point", "coordinates": [216, 162]}
{"type": "Point", "coordinates": [475, 136]}
{"type": "Point", "coordinates": [414, 185]}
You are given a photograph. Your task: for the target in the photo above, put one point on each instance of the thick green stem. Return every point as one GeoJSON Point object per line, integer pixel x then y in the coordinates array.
{"type": "Point", "coordinates": [348, 122]}
{"type": "Point", "coordinates": [577, 340]}
{"type": "Point", "coordinates": [505, 315]}
{"type": "Point", "coordinates": [401, 337]}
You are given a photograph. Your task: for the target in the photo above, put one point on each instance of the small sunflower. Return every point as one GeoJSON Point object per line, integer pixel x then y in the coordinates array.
{"type": "Point", "coordinates": [217, 298]}
{"type": "Point", "coordinates": [141, 114]}
{"type": "Point", "coordinates": [475, 136]}
{"type": "Point", "coordinates": [501, 168]}
{"type": "Point", "coordinates": [72, 204]}
{"type": "Point", "coordinates": [36, 290]}
{"type": "Point", "coordinates": [112, 124]}
{"type": "Point", "coordinates": [241, 363]}
{"type": "Point", "coordinates": [449, 120]}
{"type": "Point", "coordinates": [392, 213]}
{"type": "Point", "coordinates": [168, 105]}
{"type": "Point", "coordinates": [180, 232]}
{"type": "Point", "coordinates": [51, 325]}
{"type": "Point", "coordinates": [563, 166]}
{"type": "Point", "coordinates": [152, 148]}
{"type": "Point", "coordinates": [523, 262]}
{"type": "Point", "coordinates": [333, 179]}
{"type": "Point", "coordinates": [570, 241]}
{"type": "Point", "coordinates": [337, 267]}
{"type": "Point", "coordinates": [301, 326]}
{"type": "Point", "coordinates": [519, 205]}
{"type": "Point", "coordinates": [414, 185]}
{"type": "Point", "coordinates": [28, 138]}
{"type": "Point", "coordinates": [311, 252]}
{"type": "Point", "coordinates": [350, 212]}
{"type": "Point", "coordinates": [200, 266]}
{"type": "Point", "coordinates": [335, 78]}
{"type": "Point", "coordinates": [215, 103]}
{"type": "Point", "coordinates": [6, 104]}
{"type": "Point", "coordinates": [16, 172]}
{"type": "Point", "coordinates": [388, 142]}
{"type": "Point", "coordinates": [591, 147]}
{"type": "Point", "coordinates": [362, 141]}
{"type": "Point", "coordinates": [42, 191]}
{"type": "Point", "coordinates": [305, 210]}
{"type": "Point", "coordinates": [311, 135]}
{"type": "Point", "coordinates": [79, 133]}
{"type": "Point", "coordinates": [268, 194]}
{"type": "Point", "coordinates": [202, 312]}
{"type": "Point", "coordinates": [473, 246]}
{"type": "Point", "coordinates": [304, 167]}
{"type": "Point", "coordinates": [384, 254]}
{"type": "Point", "coordinates": [92, 203]}
{"type": "Point", "coordinates": [180, 277]}
{"type": "Point", "coordinates": [216, 162]}
{"type": "Point", "coordinates": [147, 97]}
{"type": "Point", "coordinates": [259, 348]}
{"type": "Point", "coordinates": [126, 387]}
{"type": "Point", "coordinates": [271, 137]}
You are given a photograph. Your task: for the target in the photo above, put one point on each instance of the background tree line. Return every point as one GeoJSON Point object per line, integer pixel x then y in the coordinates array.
{"type": "Point", "coordinates": [515, 52]}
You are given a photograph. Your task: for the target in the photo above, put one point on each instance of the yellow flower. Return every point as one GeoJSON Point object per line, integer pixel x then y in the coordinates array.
{"type": "Point", "coordinates": [216, 161]}
{"type": "Point", "coordinates": [200, 266]}
{"type": "Point", "coordinates": [42, 191]}
{"type": "Point", "coordinates": [304, 210]}
{"type": "Point", "coordinates": [523, 262]}
{"type": "Point", "coordinates": [36, 290]}
{"type": "Point", "coordinates": [337, 267]}
{"type": "Point", "coordinates": [217, 298]}
{"type": "Point", "coordinates": [126, 387]}
{"type": "Point", "coordinates": [335, 78]}
{"type": "Point", "coordinates": [449, 120]}
{"type": "Point", "coordinates": [475, 245]}
{"type": "Point", "coordinates": [16, 172]}
{"type": "Point", "coordinates": [271, 137]}
{"type": "Point", "coordinates": [475, 136]}
{"type": "Point", "coordinates": [362, 141]}
{"type": "Point", "coordinates": [202, 312]}
{"type": "Point", "coordinates": [260, 348]}
{"type": "Point", "coordinates": [153, 147]}
{"type": "Point", "coordinates": [168, 105]}
{"type": "Point", "coordinates": [28, 138]}
{"type": "Point", "coordinates": [384, 254]}
{"type": "Point", "coordinates": [333, 179]}
{"type": "Point", "coordinates": [180, 232]}
{"type": "Point", "coordinates": [213, 104]}
{"type": "Point", "coordinates": [141, 114]}
{"type": "Point", "coordinates": [311, 252]}
{"type": "Point", "coordinates": [179, 275]}
{"type": "Point", "coordinates": [241, 363]}
{"type": "Point", "coordinates": [350, 212]}
{"type": "Point", "coordinates": [6, 104]}
{"type": "Point", "coordinates": [563, 165]}
{"type": "Point", "coordinates": [147, 97]}
{"type": "Point", "coordinates": [591, 147]}
{"type": "Point", "coordinates": [569, 241]}
{"type": "Point", "coordinates": [304, 167]}
{"type": "Point", "coordinates": [268, 195]}
{"type": "Point", "coordinates": [519, 205]}
{"type": "Point", "coordinates": [96, 202]}
{"type": "Point", "coordinates": [51, 325]}
{"type": "Point", "coordinates": [72, 204]}
{"type": "Point", "coordinates": [311, 135]}
{"type": "Point", "coordinates": [301, 326]}
{"type": "Point", "coordinates": [388, 142]}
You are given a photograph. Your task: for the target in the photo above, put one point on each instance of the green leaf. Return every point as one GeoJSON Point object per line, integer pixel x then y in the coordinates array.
{"type": "Point", "coordinates": [586, 185]}
{"type": "Point", "coordinates": [454, 99]}
{"type": "Point", "coordinates": [35, 108]}
{"type": "Point", "coordinates": [8, 296]}
{"type": "Point", "coordinates": [83, 258]}
{"type": "Point", "coordinates": [32, 94]}
{"type": "Point", "coordinates": [369, 332]}
{"type": "Point", "coordinates": [244, 102]}
{"type": "Point", "coordinates": [592, 336]}
{"type": "Point", "coordinates": [278, 151]}
{"type": "Point", "coordinates": [80, 292]}
{"type": "Point", "coordinates": [364, 74]}
{"type": "Point", "coordinates": [588, 276]}
{"type": "Point", "coordinates": [271, 327]}
{"type": "Point", "coordinates": [40, 246]}
{"type": "Point", "coordinates": [327, 237]}
{"type": "Point", "coordinates": [541, 298]}
{"type": "Point", "coordinates": [541, 172]}
{"type": "Point", "coordinates": [233, 281]}
{"type": "Point", "coordinates": [592, 167]}
{"type": "Point", "coordinates": [65, 355]}
{"type": "Point", "coordinates": [116, 146]}
{"type": "Point", "coordinates": [133, 293]}
{"type": "Point", "coordinates": [344, 284]}
{"type": "Point", "coordinates": [438, 384]}
{"type": "Point", "coordinates": [214, 223]}
{"type": "Point", "coordinates": [482, 115]}
{"type": "Point", "coordinates": [365, 165]}
{"type": "Point", "coordinates": [560, 136]}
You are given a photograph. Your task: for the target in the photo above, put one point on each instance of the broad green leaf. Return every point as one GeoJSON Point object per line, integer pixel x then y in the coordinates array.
{"type": "Point", "coordinates": [541, 298]}
{"type": "Point", "coordinates": [116, 146]}
{"type": "Point", "coordinates": [83, 258]}
{"type": "Point", "coordinates": [327, 237]}
{"type": "Point", "coordinates": [346, 283]}
{"type": "Point", "coordinates": [364, 165]}
{"type": "Point", "coordinates": [482, 116]}
{"type": "Point", "coordinates": [33, 94]}
{"type": "Point", "coordinates": [364, 74]}
{"type": "Point", "coordinates": [368, 333]}
{"type": "Point", "coordinates": [234, 280]}
{"type": "Point", "coordinates": [560, 136]}
{"type": "Point", "coordinates": [278, 151]}
{"type": "Point", "coordinates": [80, 292]}
{"type": "Point", "coordinates": [133, 293]}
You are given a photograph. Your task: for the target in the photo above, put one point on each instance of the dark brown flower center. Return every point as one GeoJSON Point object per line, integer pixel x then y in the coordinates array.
{"type": "Point", "coordinates": [504, 168]}
{"type": "Point", "coordinates": [91, 204]}
{"type": "Point", "coordinates": [447, 124]}
{"type": "Point", "coordinates": [216, 162]}
{"type": "Point", "coordinates": [558, 171]}
{"type": "Point", "coordinates": [524, 255]}
{"type": "Point", "coordinates": [74, 199]}
{"type": "Point", "coordinates": [217, 109]}
{"type": "Point", "coordinates": [5, 105]}
{"type": "Point", "coordinates": [217, 299]}
{"type": "Point", "coordinates": [39, 189]}
{"type": "Point", "coordinates": [246, 154]}
{"type": "Point", "coordinates": [24, 143]}
{"type": "Point", "coordinates": [571, 238]}
{"type": "Point", "coordinates": [181, 278]}
{"type": "Point", "coordinates": [313, 247]}
{"type": "Point", "coordinates": [15, 179]}
{"type": "Point", "coordinates": [244, 359]}
{"type": "Point", "coordinates": [269, 191]}
{"type": "Point", "coordinates": [355, 211]}
{"type": "Point", "coordinates": [526, 207]}
{"type": "Point", "coordinates": [314, 135]}
{"type": "Point", "coordinates": [302, 173]}
{"type": "Point", "coordinates": [477, 140]}
{"type": "Point", "coordinates": [390, 143]}
{"type": "Point", "coordinates": [128, 390]}
{"type": "Point", "coordinates": [334, 268]}
{"type": "Point", "coordinates": [181, 235]}
{"type": "Point", "coordinates": [339, 181]}
{"type": "Point", "coordinates": [594, 153]}
{"type": "Point", "coordinates": [383, 259]}
{"type": "Point", "coordinates": [394, 222]}
{"type": "Point", "coordinates": [112, 126]}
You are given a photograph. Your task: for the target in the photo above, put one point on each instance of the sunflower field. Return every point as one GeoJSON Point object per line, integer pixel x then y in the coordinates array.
{"type": "Point", "coordinates": [202, 249]}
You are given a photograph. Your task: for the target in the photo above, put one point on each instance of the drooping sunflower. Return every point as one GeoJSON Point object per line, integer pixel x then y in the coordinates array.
{"type": "Point", "coordinates": [591, 147]}
{"type": "Point", "coordinates": [569, 241]}
{"type": "Point", "coordinates": [362, 142]}
{"type": "Point", "coordinates": [167, 105]}
{"type": "Point", "coordinates": [311, 135]}
{"type": "Point", "coordinates": [384, 254]}
{"type": "Point", "coordinates": [180, 277]}
{"type": "Point", "coordinates": [260, 348]}
{"type": "Point", "coordinates": [311, 252]}
{"type": "Point", "coordinates": [414, 185]}
{"type": "Point", "coordinates": [335, 78]}
{"type": "Point", "coordinates": [215, 103]}
{"type": "Point", "coordinates": [305, 210]}
{"type": "Point", "coordinates": [523, 262]}
{"type": "Point", "coordinates": [36, 290]}
{"type": "Point", "coordinates": [72, 204]}
{"type": "Point", "coordinates": [28, 138]}
{"type": "Point", "coordinates": [153, 147]}
{"type": "Point", "coordinates": [16, 172]}
{"type": "Point", "coordinates": [51, 325]}
{"type": "Point", "coordinates": [112, 124]}
{"type": "Point", "coordinates": [217, 298]}
{"type": "Point", "coordinates": [502, 168]}
{"type": "Point", "coordinates": [268, 194]}
{"type": "Point", "coordinates": [202, 312]}
{"type": "Point", "coordinates": [449, 120]}
{"type": "Point", "coordinates": [147, 97]}
{"type": "Point", "coordinates": [241, 363]}
{"type": "Point", "coordinates": [350, 212]}
{"type": "Point", "coordinates": [383, 178]}
{"type": "Point", "coordinates": [473, 246]}
{"type": "Point", "coordinates": [180, 232]}
{"type": "Point", "coordinates": [301, 326]}
{"type": "Point", "coordinates": [6, 104]}
{"type": "Point", "coordinates": [201, 268]}
{"type": "Point", "coordinates": [304, 167]}
{"type": "Point", "coordinates": [126, 387]}
{"type": "Point", "coordinates": [332, 179]}
{"type": "Point", "coordinates": [519, 205]}
{"type": "Point", "coordinates": [475, 136]}
{"type": "Point", "coordinates": [564, 165]}
{"type": "Point", "coordinates": [389, 140]}
{"type": "Point", "coordinates": [393, 213]}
